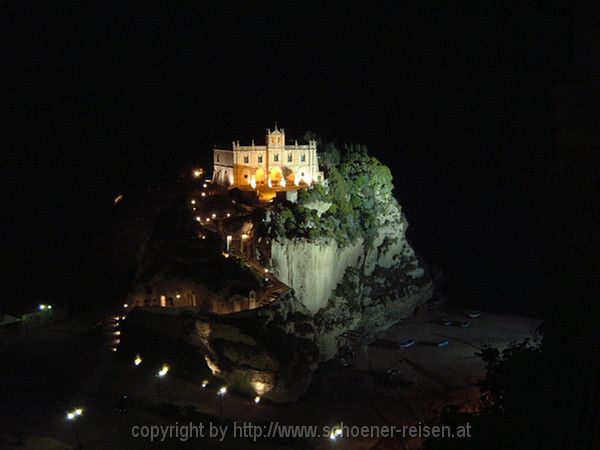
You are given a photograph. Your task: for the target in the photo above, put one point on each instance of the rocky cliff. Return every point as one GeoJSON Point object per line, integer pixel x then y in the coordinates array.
{"type": "Point", "coordinates": [342, 249]}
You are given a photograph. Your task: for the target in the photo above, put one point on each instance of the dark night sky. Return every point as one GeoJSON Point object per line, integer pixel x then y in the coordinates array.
{"type": "Point", "coordinates": [455, 100]}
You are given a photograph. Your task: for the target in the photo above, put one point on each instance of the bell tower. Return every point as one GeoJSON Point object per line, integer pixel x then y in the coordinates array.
{"type": "Point", "coordinates": [275, 138]}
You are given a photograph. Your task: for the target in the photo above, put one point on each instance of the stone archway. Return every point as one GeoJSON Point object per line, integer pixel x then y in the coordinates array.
{"type": "Point", "coordinates": [260, 177]}
{"type": "Point", "coordinates": [275, 174]}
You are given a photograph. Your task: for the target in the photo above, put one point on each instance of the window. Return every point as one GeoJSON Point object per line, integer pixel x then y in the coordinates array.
{"type": "Point", "coordinates": [302, 174]}
{"type": "Point", "coordinates": [303, 158]}
{"type": "Point", "coordinates": [246, 176]}
{"type": "Point", "coordinates": [290, 157]}
{"type": "Point", "coordinates": [259, 159]}
{"type": "Point", "coordinates": [246, 159]}
{"type": "Point", "coordinates": [218, 157]}
{"type": "Point", "coordinates": [275, 157]}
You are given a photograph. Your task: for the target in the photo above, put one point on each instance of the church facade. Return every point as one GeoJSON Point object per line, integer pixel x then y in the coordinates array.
{"type": "Point", "coordinates": [275, 164]}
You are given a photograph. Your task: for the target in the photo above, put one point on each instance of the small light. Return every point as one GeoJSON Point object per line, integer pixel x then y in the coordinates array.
{"type": "Point", "coordinates": [178, 296]}
{"type": "Point", "coordinates": [198, 218]}
{"type": "Point", "coordinates": [125, 305]}
{"type": "Point", "coordinates": [70, 416]}
{"type": "Point", "coordinates": [266, 270]}
{"type": "Point", "coordinates": [162, 372]}
{"type": "Point", "coordinates": [213, 216]}
{"type": "Point", "coordinates": [257, 399]}
{"type": "Point", "coordinates": [138, 360]}
{"type": "Point", "coordinates": [114, 349]}
{"type": "Point", "coordinates": [228, 215]}
{"type": "Point", "coordinates": [244, 236]}
{"type": "Point", "coordinates": [204, 185]}
{"type": "Point", "coordinates": [42, 307]}
{"type": "Point", "coordinates": [117, 333]}
{"type": "Point", "coordinates": [78, 411]}
{"type": "Point", "coordinates": [49, 306]}
{"type": "Point", "coordinates": [208, 219]}
{"type": "Point", "coordinates": [223, 390]}
{"type": "Point", "coordinates": [204, 383]}
{"type": "Point", "coordinates": [193, 202]}
{"type": "Point", "coordinates": [122, 317]}
{"type": "Point", "coordinates": [197, 173]}
{"type": "Point", "coordinates": [203, 194]}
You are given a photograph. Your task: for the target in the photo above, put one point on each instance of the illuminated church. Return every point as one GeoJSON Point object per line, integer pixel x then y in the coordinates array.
{"type": "Point", "coordinates": [275, 164]}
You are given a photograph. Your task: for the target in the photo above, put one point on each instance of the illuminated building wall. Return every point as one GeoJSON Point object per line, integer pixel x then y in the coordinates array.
{"type": "Point", "coordinates": [273, 164]}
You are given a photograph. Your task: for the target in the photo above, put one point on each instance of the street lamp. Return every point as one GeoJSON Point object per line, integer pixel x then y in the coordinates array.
{"type": "Point", "coordinates": [221, 393]}
{"type": "Point", "coordinates": [204, 383]}
{"type": "Point", "coordinates": [138, 360]}
{"type": "Point", "coordinates": [72, 417]}
{"type": "Point", "coordinates": [163, 371]}
{"type": "Point", "coordinates": [257, 399]}
{"type": "Point", "coordinates": [161, 375]}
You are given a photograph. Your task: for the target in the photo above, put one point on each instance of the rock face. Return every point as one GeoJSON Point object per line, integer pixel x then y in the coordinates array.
{"type": "Point", "coordinates": [313, 269]}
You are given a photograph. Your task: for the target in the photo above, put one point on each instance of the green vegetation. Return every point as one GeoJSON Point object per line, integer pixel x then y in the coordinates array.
{"type": "Point", "coordinates": [359, 189]}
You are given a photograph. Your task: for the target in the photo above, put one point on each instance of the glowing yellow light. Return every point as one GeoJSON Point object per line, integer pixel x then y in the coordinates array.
{"type": "Point", "coordinates": [118, 198]}
{"type": "Point", "coordinates": [198, 218]}
{"type": "Point", "coordinates": [42, 307]}
{"type": "Point", "coordinates": [178, 296]}
{"type": "Point", "coordinates": [138, 360]}
{"type": "Point", "coordinates": [162, 372]}
{"type": "Point", "coordinates": [257, 399]}
{"type": "Point", "coordinates": [335, 433]}
{"type": "Point", "coordinates": [223, 390]}
{"type": "Point", "coordinates": [213, 216]}
{"type": "Point", "coordinates": [226, 255]}
{"type": "Point", "coordinates": [70, 416]}
{"type": "Point", "coordinates": [266, 270]}
{"type": "Point", "coordinates": [203, 194]}
{"type": "Point", "coordinates": [197, 173]}
{"type": "Point", "coordinates": [193, 202]}
{"type": "Point", "coordinates": [49, 306]}
{"type": "Point", "coordinates": [204, 383]}
{"type": "Point", "coordinates": [228, 215]}
{"type": "Point", "coordinates": [78, 411]}
{"type": "Point", "coordinates": [114, 349]}
{"type": "Point", "coordinates": [204, 185]}
{"type": "Point", "coordinates": [117, 333]}
{"type": "Point", "coordinates": [244, 236]}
